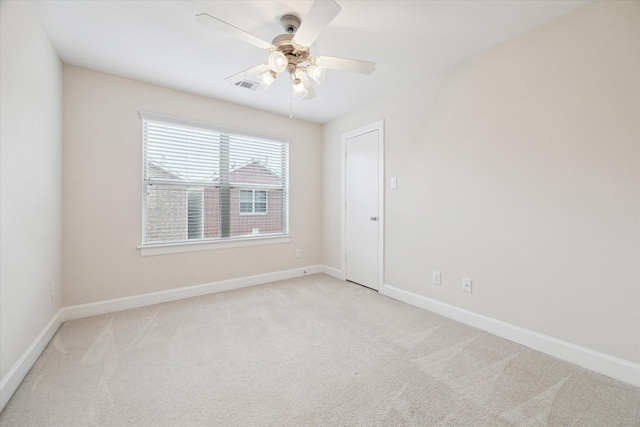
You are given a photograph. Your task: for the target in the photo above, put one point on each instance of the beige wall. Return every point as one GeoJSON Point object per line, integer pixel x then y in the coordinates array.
{"type": "Point", "coordinates": [102, 190]}
{"type": "Point", "coordinates": [30, 181]}
{"type": "Point", "coordinates": [521, 170]}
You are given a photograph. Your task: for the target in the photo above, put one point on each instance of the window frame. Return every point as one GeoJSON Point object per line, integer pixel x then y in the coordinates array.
{"type": "Point", "coordinates": [190, 245]}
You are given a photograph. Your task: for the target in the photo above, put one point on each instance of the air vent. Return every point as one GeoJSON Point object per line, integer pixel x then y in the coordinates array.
{"type": "Point", "coordinates": [247, 84]}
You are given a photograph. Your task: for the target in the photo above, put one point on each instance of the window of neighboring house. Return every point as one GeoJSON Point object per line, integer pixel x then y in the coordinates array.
{"type": "Point", "coordinates": [195, 213]}
{"type": "Point", "coordinates": [201, 183]}
{"type": "Point", "coordinates": [253, 202]}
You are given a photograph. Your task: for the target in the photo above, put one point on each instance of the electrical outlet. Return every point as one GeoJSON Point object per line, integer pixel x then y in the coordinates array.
{"type": "Point", "coordinates": [466, 284]}
{"type": "Point", "coordinates": [53, 291]}
{"type": "Point", "coordinates": [297, 253]}
{"type": "Point", "coordinates": [435, 277]}
{"type": "Point", "coordinates": [394, 183]}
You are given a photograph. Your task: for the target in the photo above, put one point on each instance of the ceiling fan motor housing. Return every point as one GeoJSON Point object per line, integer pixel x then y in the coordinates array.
{"type": "Point", "coordinates": [294, 56]}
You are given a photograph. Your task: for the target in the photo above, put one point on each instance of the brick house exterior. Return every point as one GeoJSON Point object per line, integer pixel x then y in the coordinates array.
{"type": "Point", "coordinates": [266, 223]}
{"type": "Point", "coordinates": [167, 206]}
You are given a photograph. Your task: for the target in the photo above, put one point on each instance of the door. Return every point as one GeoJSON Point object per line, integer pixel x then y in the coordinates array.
{"type": "Point", "coordinates": [362, 205]}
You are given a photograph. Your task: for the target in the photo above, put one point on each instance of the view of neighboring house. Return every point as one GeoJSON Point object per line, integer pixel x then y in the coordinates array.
{"type": "Point", "coordinates": [248, 205]}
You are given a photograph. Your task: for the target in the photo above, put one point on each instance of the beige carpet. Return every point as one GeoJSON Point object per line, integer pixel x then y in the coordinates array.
{"type": "Point", "coordinates": [312, 351]}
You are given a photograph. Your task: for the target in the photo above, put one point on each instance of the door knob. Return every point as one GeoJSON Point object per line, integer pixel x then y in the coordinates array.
{"type": "Point", "coordinates": [373, 218]}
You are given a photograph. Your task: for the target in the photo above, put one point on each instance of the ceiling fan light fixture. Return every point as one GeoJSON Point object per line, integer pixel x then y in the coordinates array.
{"type": "Point", "coordinates": [299, 91]}
{"type": "Point", "coordinates": [278, 62]}
{"type": "Point", "coordinates": [316, 72]}
{"type": "Point", "coordinates": [266, 79]}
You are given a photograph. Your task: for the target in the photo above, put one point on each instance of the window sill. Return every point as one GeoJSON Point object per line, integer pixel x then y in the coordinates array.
{"type": "Point", "coordinates": [178, 248]}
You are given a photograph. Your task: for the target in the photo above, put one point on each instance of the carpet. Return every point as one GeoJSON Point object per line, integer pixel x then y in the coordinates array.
{"type": "Point", "coordinates": [311, 351]}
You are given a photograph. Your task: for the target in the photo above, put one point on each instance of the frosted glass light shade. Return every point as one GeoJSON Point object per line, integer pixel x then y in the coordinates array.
{"type": "Point", "coordinates": [316, 72]}
{"type": "Point", "coordinates": [278, 62]}
{"type": "Point", "coordinates": [266, 79]}
{"type": "Point", "coordinates": [299, 91]}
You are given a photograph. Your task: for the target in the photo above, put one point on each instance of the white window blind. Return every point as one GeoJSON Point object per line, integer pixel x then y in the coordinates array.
{"type": "Point", "coordinates": [204, 184]}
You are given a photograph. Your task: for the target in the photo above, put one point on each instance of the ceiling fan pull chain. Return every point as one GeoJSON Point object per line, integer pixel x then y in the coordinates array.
{"type": "Point", "coordinates": [291, 106]}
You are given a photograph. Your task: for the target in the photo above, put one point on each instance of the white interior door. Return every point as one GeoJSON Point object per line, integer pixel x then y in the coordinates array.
{"type": "Point", "coordinates": [362, 205]}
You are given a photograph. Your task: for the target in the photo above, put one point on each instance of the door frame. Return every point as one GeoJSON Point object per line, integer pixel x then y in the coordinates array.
{"type": "Point", "coordinates": [379, 126]}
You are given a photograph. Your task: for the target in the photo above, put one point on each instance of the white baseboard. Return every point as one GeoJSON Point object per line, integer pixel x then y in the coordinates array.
{"type": "Point", "coordinates": [605, 364]}
{"type": "Point", "coordinates": [126, 303]}
{"type": "Point", "coordinates": [333, 272]}
{"type": "Point", "coordinates": [16, 374]}
{"type": "Point", "coordinates": [12, 380]}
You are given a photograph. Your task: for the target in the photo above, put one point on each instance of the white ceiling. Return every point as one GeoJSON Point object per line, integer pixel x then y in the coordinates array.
{"type": "Point", "coordinates": [161, 43]}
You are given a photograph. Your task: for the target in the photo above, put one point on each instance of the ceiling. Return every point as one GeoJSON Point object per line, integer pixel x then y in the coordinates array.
{"type": "Point", "coordinates": [160, 42]}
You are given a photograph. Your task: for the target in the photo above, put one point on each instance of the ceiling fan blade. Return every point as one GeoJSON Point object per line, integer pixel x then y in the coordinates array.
{"type": "Point", "coordinates": [319, 17]}
{"type": "Point", "coordinates": [342, 64]}
{"type": "Point", "coordinates": [247, 74]}
{"type": "Point", "coordinates": [307, 85]}
{"type": "Point", "coordinates": [236, 32]}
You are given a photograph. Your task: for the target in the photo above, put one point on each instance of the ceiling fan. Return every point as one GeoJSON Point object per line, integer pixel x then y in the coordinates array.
{"type": "Point", "coordinates": [290, 51]}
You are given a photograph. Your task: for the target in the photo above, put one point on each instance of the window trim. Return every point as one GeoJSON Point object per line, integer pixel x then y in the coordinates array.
{"type": "Point", "coordinates": [165, 248]}
{"type": "Point", "coordinates": [183, 247]}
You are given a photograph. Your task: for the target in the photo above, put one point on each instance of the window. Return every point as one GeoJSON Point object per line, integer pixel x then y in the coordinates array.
{"type": "Point", "coordinates": [201, 183]}
{"type": "Point", "coordinates": [253, 202]}
{"type": "Point", "coordinates": [195, 213]}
